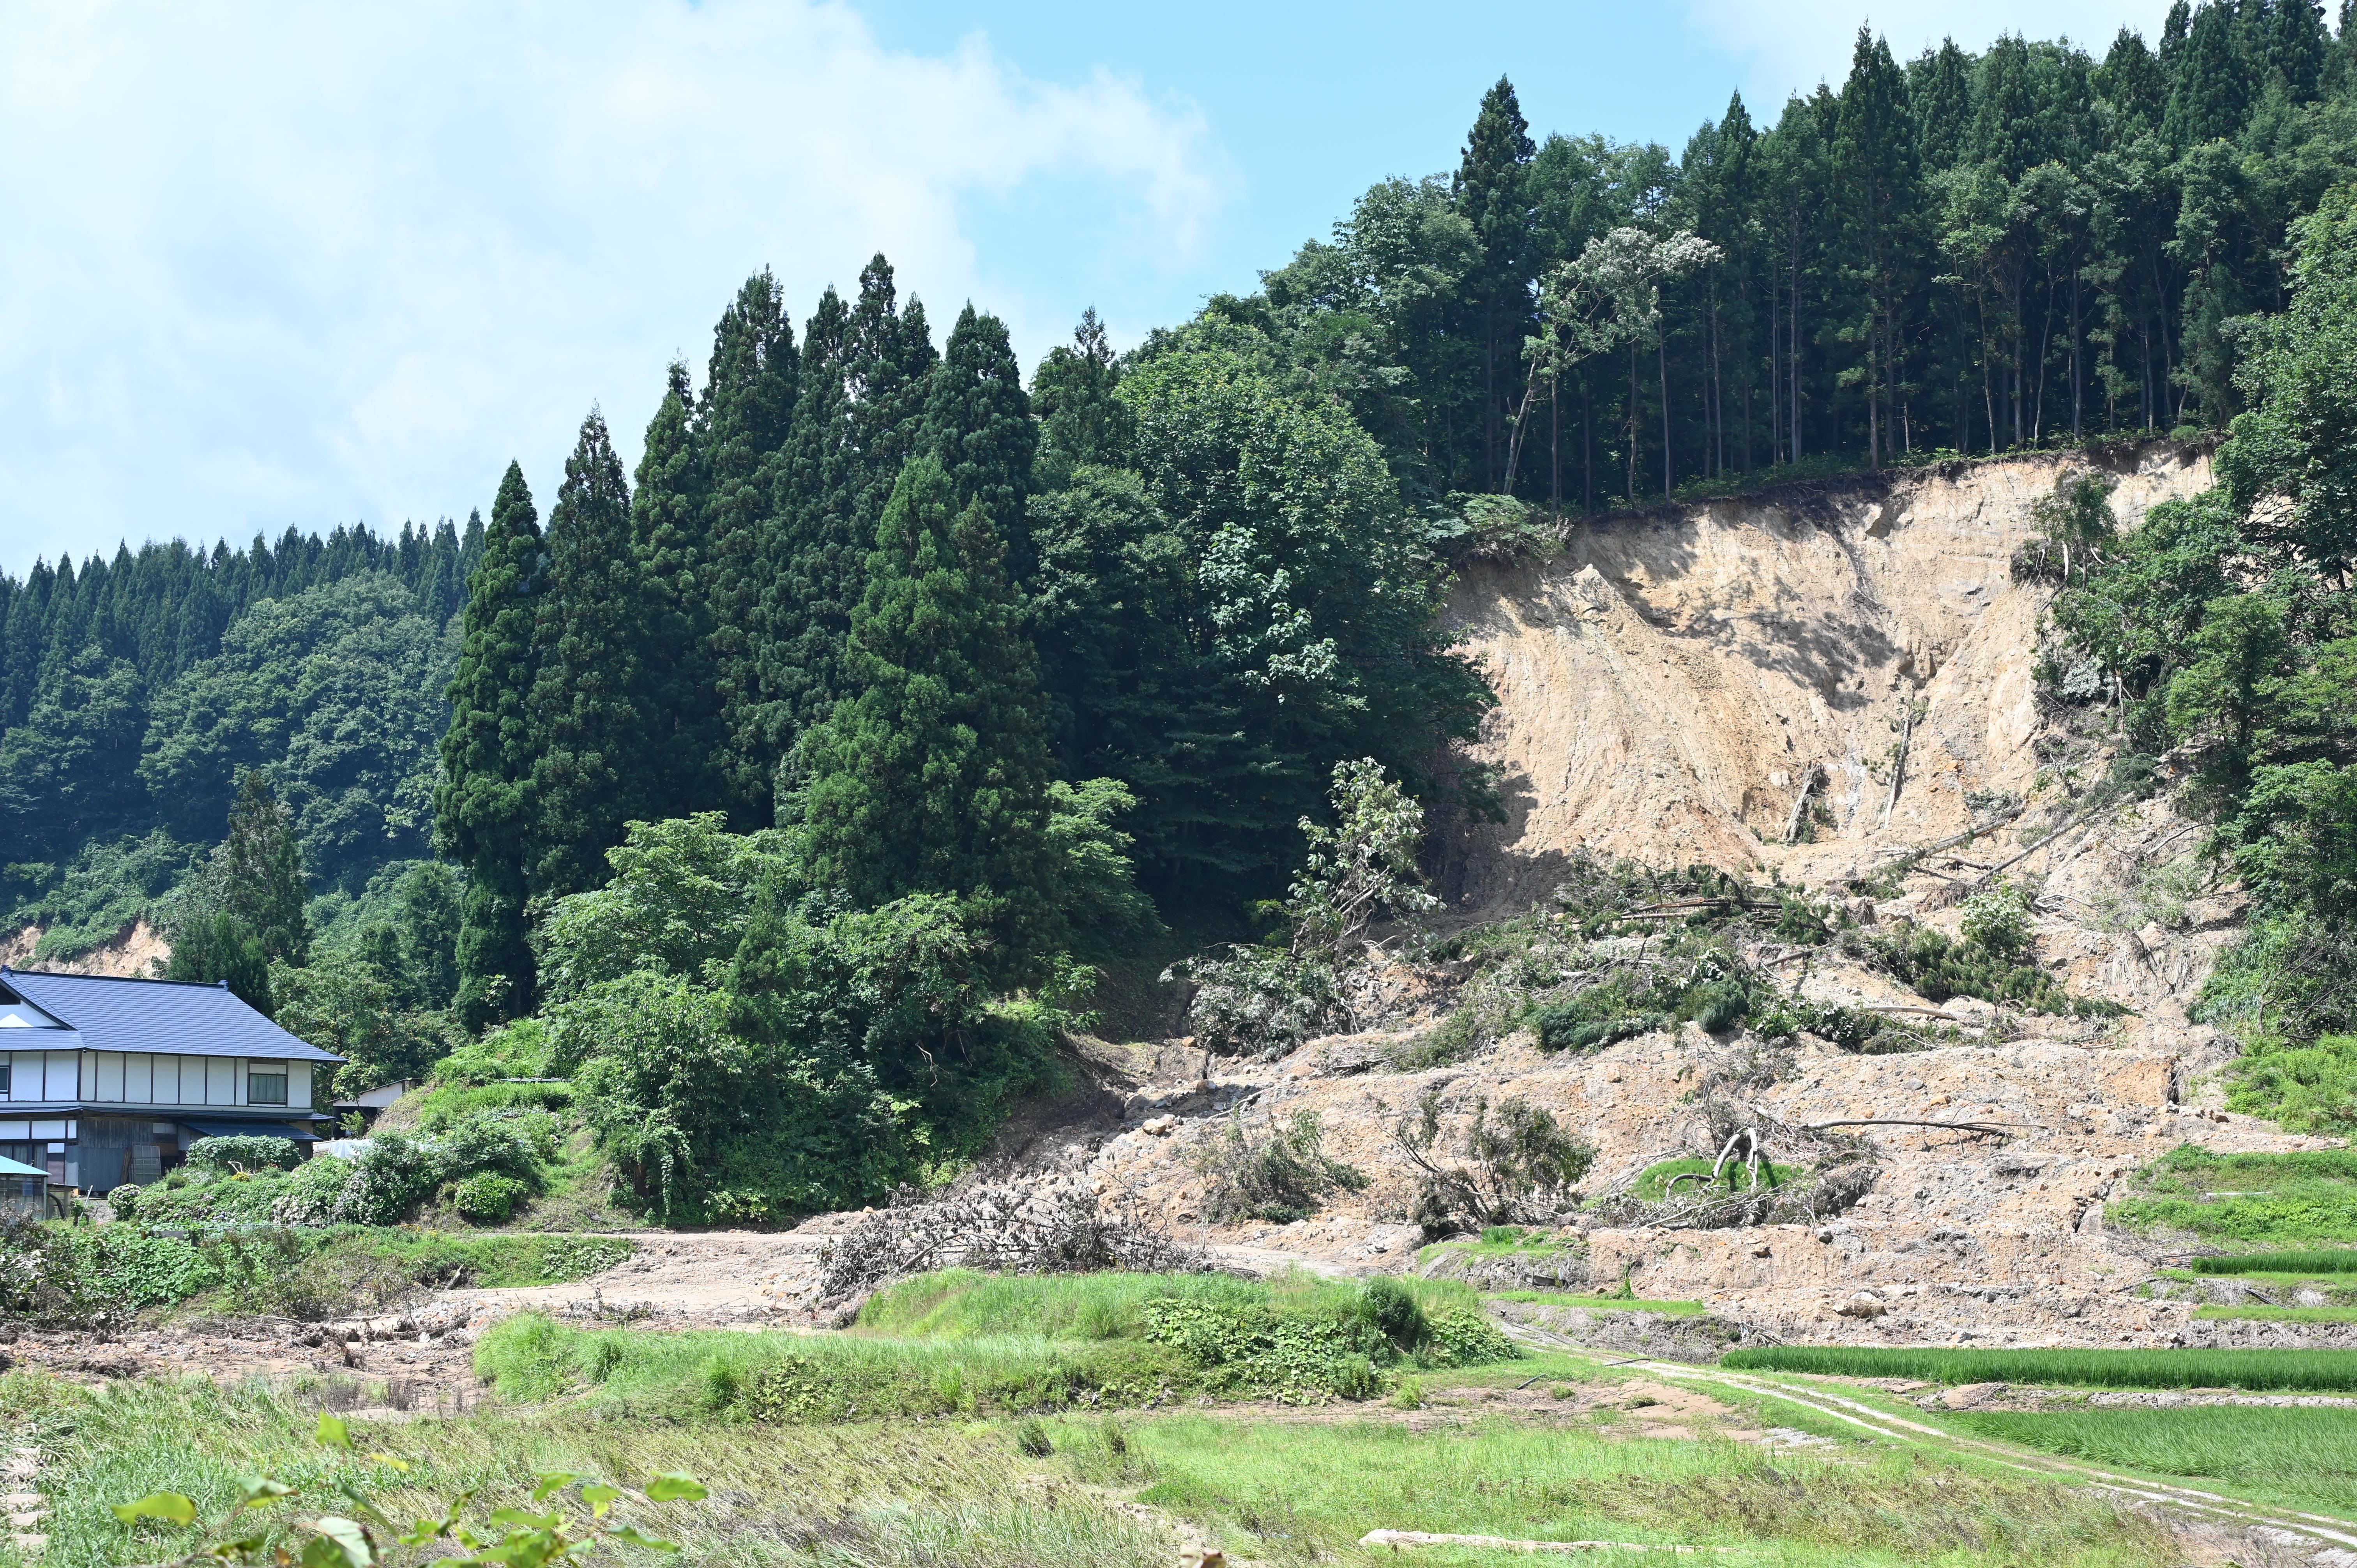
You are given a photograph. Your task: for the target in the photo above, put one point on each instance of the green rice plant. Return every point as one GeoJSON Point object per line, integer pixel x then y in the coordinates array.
{"type": "Point", "coordinates": [2319, 1371]}
{"type": "Point", "coordinates": [2325, 1261]}
{"type": "Point", "coordinates": [2305, 1457]}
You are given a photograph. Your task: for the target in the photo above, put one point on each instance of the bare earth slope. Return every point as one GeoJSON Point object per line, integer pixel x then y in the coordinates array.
{"type": "Point", "coordinates": [1666, 684]}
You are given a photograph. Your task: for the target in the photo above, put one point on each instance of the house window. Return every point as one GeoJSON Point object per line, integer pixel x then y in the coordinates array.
{"type": "Point", "coordinates": [6, 1069]}
{"type": "Point", "coordinates": [265, 1085]}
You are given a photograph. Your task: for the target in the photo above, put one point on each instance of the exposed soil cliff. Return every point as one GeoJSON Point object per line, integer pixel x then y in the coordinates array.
{"type": "Point", "coordinates": [1667, 686]}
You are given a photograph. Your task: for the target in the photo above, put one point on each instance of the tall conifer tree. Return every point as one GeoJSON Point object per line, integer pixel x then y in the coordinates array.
{"type": "Point", "coordinates": [1079, 419]}
{"type": "Point", "coordinates": [933, 778]}
{"type": "Point", "coordinates": [866, 375]}
{"type": "Point", "coordinates": [978, 425]}
{"type": "Point", "coordinates": [667, 531]}
{"type": "Point", "coordinates": [590, 720]}
{"type": "Point", "coordinates": [1492, 191]}
{"type": "Point", "coordinates": [1874, 147]}
{"type": "Point", "coordinates": [747, 420]}
{"type": "Point", "coordinates": [259, 870]}
{"type": "Point", "coordinates": [2131, 80]}
{"type": "Point", "coordinates": [816, 544]}
{"type": "Point", "coordinates": [484, 810]}
{"type": "Point", "coordinates": [2211, 96]}
{"type": "Point", "coordinates": [892, 359]}
{"type": "Point", "coordinates": [1943, 107]}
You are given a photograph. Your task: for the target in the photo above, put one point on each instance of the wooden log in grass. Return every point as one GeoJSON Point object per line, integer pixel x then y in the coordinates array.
{"type": "Point", "coordinates": [1396, 1539]}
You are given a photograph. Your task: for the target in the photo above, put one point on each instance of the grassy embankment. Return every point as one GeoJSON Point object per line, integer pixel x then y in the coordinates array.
{"type": "Point", "coordinates": [2244, 1202]}
{"type": "Point", "coordinates": [959, 1343]}
{"type": "Point", "coordinates": [2269, 1212]}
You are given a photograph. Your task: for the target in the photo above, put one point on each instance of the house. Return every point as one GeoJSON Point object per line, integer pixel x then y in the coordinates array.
{"type": "Point", "coordinates": [370, 1105]}
{"type": "Point", "coordinates": [104, 1080]}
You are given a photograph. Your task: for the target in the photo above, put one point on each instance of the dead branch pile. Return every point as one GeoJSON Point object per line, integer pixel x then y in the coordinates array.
{"type": "Point", "coordinates": [1036, 1226]}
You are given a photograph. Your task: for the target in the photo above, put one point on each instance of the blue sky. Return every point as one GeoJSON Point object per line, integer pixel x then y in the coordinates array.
{"type": "Point", "coordinates": [276, 264]}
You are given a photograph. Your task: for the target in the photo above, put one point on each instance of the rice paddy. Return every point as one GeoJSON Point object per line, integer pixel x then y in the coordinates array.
{"type": "Point", "coordinates": [2297, 1370]}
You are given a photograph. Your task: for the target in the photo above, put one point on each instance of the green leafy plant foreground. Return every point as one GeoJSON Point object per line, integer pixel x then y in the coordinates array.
{"type": "Point", "coordinates": [572, 1515]}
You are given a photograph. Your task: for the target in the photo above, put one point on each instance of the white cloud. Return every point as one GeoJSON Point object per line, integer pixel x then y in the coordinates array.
{"type": "Point", "coordinates": [1790, 48]}
{"type": "Point", "coordinates": [278, 263]}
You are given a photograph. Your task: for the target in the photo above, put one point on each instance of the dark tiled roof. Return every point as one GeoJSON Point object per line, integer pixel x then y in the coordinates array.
{"type": "Point", "coordinates": [175, 1017]}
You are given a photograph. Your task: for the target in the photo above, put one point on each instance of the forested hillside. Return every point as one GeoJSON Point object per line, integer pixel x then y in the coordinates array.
{"type": "Point", "coordinates": [786, 791]}
{"type": "Point", "coordinates": [135, 690]}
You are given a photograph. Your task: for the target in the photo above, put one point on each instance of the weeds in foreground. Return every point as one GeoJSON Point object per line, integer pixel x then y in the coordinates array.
{"type": "Point", "coordinates": [883, 1496]}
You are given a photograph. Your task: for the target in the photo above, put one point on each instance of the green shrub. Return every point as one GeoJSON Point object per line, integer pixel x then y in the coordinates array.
{"type": "Point", "coordinates": [1940, 968]}
{"type": "Point", "coordinates": [487, 1197]}
{"type": "Point", "coordinates": [246, 1152]}
{"type": "Point", "coordinates": [312, 1193]}
{"type": "Point", "coordinates": [1393, 1312]}
{"type": "Point", "coordinates": [1031, 1439]}
{"type": "Point", "coordinates": [1461, 1337]}
{"type": "Point", "coordinates": [1998, 921]}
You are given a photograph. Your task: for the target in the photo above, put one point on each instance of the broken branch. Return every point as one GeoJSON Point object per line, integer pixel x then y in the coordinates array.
{"type": "Point", "coordinates": [1993, 1129]}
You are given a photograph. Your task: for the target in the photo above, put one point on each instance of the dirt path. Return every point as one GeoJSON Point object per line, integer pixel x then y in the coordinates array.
{"type": "Point", "coordinates": [2338, 1537]}
{"type": "Point", "coordinates": [680, 1279]}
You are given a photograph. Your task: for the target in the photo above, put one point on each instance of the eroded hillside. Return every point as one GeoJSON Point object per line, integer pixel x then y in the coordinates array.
{"type": "Point", "coordinates": [1668, 684]}
{"type": "Point", "coordinates": [1667, 688]}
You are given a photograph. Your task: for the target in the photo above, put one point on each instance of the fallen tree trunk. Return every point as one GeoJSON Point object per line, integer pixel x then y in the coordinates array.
{"type": "Point", "coordinates": [1985, 877]}
{"type": "Point", "coordinates": [1808, 787]}
{"type": "Point", "coordinates": [1395, 1538]}
{"type": "Point", "coordinates": [1993, 1129]}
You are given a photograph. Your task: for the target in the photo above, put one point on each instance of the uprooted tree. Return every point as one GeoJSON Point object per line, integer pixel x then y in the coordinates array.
{"type": "Point", "coordinates": [1744, 1186]}
{"type": "Point", "coordinates": [1514, 1163]}
{"type": "Point", "coordinates": [1278, 1174]}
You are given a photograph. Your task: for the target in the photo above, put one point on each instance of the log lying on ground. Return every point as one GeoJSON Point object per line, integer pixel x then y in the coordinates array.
{"type": "Point", "coordinates": [1994, 1129]}
{"type": "Point", "coordinates": [1395, 1538]}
